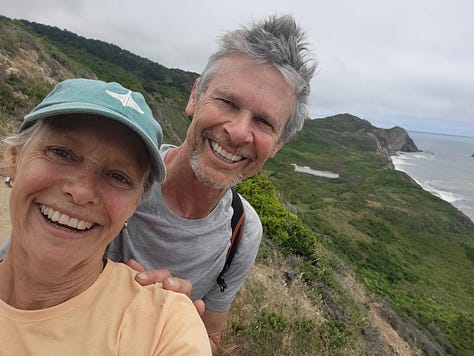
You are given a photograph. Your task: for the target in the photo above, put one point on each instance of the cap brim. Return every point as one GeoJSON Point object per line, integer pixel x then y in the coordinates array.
{"type": "Point", "coordinates": [157, 165]}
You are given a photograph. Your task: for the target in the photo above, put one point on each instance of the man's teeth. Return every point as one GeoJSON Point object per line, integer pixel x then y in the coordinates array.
{"type": "Point", "coordinates": [222, 152]}
{"type": "Point", "coordinates": [63, 219]}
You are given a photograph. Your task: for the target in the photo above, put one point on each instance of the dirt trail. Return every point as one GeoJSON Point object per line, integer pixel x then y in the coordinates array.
{"type": "Point", "coordinates": [4, 213]}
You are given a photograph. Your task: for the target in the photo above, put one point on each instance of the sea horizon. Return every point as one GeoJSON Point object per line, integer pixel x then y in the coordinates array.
{"type": "Point", "coordinates": [438, 134]}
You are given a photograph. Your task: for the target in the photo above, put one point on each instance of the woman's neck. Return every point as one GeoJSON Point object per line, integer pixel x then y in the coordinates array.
{"type": "Point", "coordinates": [29, 286]}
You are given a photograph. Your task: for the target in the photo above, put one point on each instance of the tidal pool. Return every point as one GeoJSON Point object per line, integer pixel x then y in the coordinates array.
{"type": "Point", "coordinates": [315, 172]}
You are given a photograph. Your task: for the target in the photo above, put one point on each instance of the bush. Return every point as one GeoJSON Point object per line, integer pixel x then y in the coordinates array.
{"type": "Point", "coordinates": [281, 226]}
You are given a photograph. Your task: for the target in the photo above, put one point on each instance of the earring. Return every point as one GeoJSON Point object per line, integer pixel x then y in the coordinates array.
{"type": "Point", "coordinates": [125, 225]}
{"type": "Point", "coordinates": [9, 182]}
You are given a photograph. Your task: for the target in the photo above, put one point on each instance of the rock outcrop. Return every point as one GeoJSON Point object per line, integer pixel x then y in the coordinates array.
{"type": "Point", "coordinates": [395, 139]}
{"type": "Point", "coordinates": [359, 132]}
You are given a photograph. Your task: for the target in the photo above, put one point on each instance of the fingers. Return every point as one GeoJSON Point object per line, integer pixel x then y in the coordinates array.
{"type": "Point", "coordinates": [135, 265]}
{"type": "Point", "coordinates": [200, 307]}
{"type": "Point", "coordinates": [161, 276]}
{"type": "Point", "coordinates": [178, 285]}
{"type": "Point", "coordinates": [153, 276]}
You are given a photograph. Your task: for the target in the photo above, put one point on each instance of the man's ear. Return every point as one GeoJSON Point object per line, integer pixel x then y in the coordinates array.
{"type": "Point", "coordinates": [189, 110]}
{"type": "Point", "coordinates": [277, 148]}
{"type": "Point", "coordinates": [192, 99]}
{"type": "Point", "coordinates": [10, 156]}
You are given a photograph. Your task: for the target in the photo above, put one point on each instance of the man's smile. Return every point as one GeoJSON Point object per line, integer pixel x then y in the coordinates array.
{"type": "Point", "coordinates": [221, 152]}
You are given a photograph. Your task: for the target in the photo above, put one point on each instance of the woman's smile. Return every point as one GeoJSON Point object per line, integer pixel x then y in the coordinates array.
{"type": "Point", "coordinates": [57, 218]}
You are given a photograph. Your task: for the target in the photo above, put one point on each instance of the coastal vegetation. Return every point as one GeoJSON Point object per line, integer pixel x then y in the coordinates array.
{"type": "Point", "coordinates": [364, 264]}
{"type": "Point", "coordinates": [411, 250]}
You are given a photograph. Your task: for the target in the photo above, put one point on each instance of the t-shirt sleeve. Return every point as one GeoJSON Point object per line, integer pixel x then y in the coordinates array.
{"type": "Point", "coordinates": [161, 322]}
{"type": "Point", "coordinates": [241, 264]}
{"type": "Point", "coordinates": [184, 332]}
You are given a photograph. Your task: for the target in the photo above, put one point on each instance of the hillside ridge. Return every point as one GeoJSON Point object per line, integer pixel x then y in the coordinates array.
{"type": "Point", "coordinates": [385, 141]}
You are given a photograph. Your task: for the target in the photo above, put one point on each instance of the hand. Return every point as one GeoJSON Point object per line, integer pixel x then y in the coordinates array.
{"type": "Point", "coordinates": [169, 282]}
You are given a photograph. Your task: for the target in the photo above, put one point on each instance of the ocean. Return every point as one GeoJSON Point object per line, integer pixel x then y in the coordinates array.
{"type": "Point", "coordinates": [445, 168]}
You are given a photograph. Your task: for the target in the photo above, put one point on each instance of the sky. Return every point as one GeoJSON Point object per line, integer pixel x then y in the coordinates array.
{"type": "Point", "coordinates": [407, 63]}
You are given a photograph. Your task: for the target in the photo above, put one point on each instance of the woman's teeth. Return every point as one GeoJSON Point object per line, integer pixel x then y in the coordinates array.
{"type": "Point", "coordinates": [62, 219]}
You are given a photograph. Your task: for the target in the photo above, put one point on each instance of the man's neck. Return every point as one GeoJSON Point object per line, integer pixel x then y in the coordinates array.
{"type": "Point", "coordinates": [183, 192]}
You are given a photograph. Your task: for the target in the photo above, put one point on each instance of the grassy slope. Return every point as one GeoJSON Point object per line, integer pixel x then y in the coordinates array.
{"type": "Point", "coordinates": [409, 247]}
{"type": "Point", "coordinates": [31, 64]}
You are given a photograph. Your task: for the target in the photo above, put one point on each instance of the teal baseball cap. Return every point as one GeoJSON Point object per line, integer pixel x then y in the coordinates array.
{"type": "Point", "coordinates": [110, 100]}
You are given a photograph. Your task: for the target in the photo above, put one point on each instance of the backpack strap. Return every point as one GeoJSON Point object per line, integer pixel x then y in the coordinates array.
{"type": "Point", "coordinates": [237, 225]}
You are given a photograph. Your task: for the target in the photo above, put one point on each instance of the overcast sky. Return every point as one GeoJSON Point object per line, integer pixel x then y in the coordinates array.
{"type": "Point", "coordinates": [402, 62]}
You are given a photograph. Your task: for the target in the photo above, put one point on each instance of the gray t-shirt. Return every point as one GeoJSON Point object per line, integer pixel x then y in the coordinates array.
{"type": "Point", "coordinates": [194, 249]}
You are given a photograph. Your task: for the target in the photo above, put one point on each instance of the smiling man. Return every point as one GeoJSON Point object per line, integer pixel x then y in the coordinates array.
{"type": "Point", "coordinates": [250, 99]}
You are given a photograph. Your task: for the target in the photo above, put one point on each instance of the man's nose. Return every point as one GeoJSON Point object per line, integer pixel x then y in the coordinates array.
{"type": "Point", "coordinates": [239, 128]}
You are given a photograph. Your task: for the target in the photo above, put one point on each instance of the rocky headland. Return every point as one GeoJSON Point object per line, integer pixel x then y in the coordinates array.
{"type": "Point", "coordinates": [355, 132]}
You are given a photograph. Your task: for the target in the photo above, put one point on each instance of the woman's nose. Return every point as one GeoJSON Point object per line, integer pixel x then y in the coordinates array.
{"type": "Point", "coordinates": [82, 189]}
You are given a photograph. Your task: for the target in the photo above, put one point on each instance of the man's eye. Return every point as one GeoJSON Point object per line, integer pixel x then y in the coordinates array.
{"type": "Point", "coordinates": [264, 122]}
{"type": "Point", "coordinates": [226, 102]}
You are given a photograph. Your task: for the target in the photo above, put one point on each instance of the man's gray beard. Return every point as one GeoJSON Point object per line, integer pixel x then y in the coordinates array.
{"type": "Point", "coordinates": [194, 161]}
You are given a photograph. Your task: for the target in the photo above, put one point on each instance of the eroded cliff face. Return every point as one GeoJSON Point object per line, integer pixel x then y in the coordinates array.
{"type": "Point", "coordinates": [354, 131]}
{"type": "Point", "coordinates": [396, 139]}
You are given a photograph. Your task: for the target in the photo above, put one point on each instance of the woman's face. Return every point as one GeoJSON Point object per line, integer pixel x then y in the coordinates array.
{"type": "Point", "coordinates": [76, 182]}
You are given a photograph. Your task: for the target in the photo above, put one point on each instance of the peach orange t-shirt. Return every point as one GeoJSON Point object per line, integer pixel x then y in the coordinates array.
{"type": "Point", "coordinates": [114, 316]}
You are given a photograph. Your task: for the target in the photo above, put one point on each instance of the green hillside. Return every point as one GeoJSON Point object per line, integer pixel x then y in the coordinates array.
{"type": "Point", "coordinates": [410, 248]}
{"type": "Point", "coordinates": [34, 57]}
{"type": "Point", "coordinates": [344, 264]}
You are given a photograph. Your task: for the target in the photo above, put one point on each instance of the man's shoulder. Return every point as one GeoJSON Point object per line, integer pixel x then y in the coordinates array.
{"type": "Point", "coordinates": [250, 213]}
{"type": "Point", "coordinates": [253, 229]}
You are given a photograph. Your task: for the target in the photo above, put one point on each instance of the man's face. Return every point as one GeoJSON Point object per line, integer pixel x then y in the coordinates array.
{"type": "Point", "coordinates": [237, 122]}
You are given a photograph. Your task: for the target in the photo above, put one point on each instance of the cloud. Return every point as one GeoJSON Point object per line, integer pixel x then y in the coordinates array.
{"type": "Point", "coordinates": [401, 62]}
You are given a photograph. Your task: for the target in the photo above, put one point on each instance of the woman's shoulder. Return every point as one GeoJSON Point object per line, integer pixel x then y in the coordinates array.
{"type": "Point", "coordinates": [124, 278]}
{"type": "Point", "coordinates": [154, 313]}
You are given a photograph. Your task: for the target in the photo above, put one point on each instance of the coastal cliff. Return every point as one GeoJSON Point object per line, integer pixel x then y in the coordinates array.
{"type": "Point", "coordinates": [355, 132]}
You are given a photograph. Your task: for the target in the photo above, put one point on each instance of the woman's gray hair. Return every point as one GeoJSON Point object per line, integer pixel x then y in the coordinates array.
{"type": "Point", "coordinates": [278, 41]}
{"type": "Point", "coordinates": [20, 139]}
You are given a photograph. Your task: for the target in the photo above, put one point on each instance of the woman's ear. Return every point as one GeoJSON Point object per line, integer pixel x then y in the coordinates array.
{"type": "Point", "coordinates": [10, 156]}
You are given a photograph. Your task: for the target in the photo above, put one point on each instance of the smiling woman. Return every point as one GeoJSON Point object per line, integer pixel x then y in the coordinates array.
{"type": "Point", "coordinates": [101, 170]}
{"type": "Point", "coordinates": [80, 165]}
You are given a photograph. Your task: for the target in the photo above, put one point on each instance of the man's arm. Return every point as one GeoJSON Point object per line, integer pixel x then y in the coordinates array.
{"type": "Point", "coordinates": [214, 322]}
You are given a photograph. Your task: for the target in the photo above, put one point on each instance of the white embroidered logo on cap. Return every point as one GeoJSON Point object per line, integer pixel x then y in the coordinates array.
{"type": "Point", "coordinates": [126, 100]}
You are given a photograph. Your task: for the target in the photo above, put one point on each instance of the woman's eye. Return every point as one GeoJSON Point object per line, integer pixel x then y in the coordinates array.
{"type": "Point", "coordinates": [120, 178]}
{"type": "Point", "coordinates": [57, 152]}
